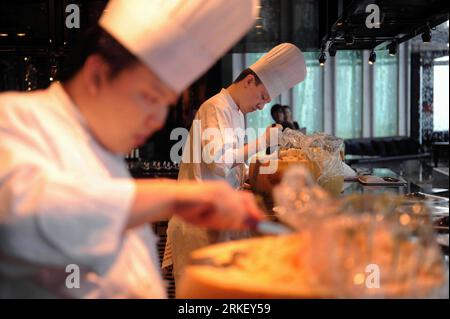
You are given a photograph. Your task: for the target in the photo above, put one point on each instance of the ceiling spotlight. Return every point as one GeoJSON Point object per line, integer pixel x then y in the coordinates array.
{"type": "Point", "coordinates": [372, 57]}
{"type": "Point", "coordinates": [393, 48]}
{"type": "Point", "coordinates": [322, 59]}
{"type": "Point", "coordinates": [21, 34]}
{"type": "Point", "coordinates": [332, 50]}
{"type": "Point", "coordinates": [426, 35]}
{"type": "Point", "coordinates": [348, 37]}
{"type": "Point", "coordinates": [3, 34]}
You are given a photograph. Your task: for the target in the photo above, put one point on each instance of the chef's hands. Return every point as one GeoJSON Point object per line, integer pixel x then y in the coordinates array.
{"type": "Point", "coordinates": [216, 205]}
{"type": "Point", "coordinates": [272, 134]}
{"type": "Point", "coordinates": [213, 205]}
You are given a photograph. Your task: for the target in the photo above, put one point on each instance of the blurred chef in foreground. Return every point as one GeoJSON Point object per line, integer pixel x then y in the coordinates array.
{"type": "Point", "coordinates": [276, 72]}
{"type": "Point", "coordinates": [67, 201]}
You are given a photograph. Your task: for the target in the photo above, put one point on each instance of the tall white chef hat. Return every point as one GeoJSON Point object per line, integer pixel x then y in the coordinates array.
{"type": "Point", "coordinates": [281, 68]}
{"type": "Point", "coordinates": [178, 39]}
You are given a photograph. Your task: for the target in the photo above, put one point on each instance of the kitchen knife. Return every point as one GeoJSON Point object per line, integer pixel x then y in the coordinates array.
{"type": "Point", "coordinates": [267, 227]}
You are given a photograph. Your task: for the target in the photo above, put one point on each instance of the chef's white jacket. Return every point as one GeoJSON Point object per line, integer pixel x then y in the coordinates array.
{"type": "Point", "coordinates": [219, 112]}
{"type": "Point", "coordinates": [64, 200]}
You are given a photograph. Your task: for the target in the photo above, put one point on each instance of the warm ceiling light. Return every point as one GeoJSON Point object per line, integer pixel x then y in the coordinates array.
{"type": "Point", "coordinates": [2, 34]}
{"type": "Point", "coordinates": [21, 34]}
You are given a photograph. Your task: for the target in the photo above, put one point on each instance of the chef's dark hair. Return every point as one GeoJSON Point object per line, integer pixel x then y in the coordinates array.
{"type": "Point", "coordinates": [244, 74]}
{"type": "Point", "coordinates": [275, 108]}
{"type": "Point", "coordinates": [97, 41]}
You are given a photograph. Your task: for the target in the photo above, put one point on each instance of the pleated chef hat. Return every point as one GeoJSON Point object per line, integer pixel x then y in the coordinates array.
{"type": "Point", "coordinates": [281, 68]}
{"type": "Point", "coordinates": [178, 39]}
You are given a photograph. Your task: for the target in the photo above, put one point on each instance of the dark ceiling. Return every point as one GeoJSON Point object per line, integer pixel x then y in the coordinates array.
{"type": "Point", "coordinates": [37, 26]}
{"type": "Point", "coordinates": [400, 20]}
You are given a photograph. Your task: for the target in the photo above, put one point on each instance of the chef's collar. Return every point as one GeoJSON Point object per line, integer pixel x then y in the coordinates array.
{"type": "Point", "coordinates": [230, 100]}
{"type": "Point", "coordinates": [64, 101]}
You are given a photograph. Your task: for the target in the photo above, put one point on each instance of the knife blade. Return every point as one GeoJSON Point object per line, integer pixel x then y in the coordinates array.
{"type": "Point", "coordinates": [267, 227]}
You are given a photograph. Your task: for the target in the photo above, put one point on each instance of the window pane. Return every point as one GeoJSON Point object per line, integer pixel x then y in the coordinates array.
{"type": "Point", "coordinates": [308, 96]}
{"type": "Point", "coordinates": [349, 90]}
{"type": "Point", "coordinates": [386, 94]}
{"type": "Point", "coordinates": [261, 119]}
{"type": "Point", "coordinates": [440, 96]}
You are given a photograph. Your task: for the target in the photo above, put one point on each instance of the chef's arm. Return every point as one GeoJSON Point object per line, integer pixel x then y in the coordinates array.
{"type": "Point", "coordinates": [247, 151]}
{"type": "Point", "coordinates": [232, 156]}
{"type": "Point", "coordinates": [257, 145]}
{"type": "Point", "coordinates": [229, 156]}
{"type": "Point", "coordinates": [212, 204]}
{"type": "Point", "coordinates": [51, 217]}
{"type": "Point", "coordinates": [153, 201]}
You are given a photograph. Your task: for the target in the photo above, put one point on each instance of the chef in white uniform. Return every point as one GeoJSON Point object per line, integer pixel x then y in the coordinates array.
{"type": "Point", "coordinates": [72, 221]}
{"type": "Point", "coordinates": [277, 71]}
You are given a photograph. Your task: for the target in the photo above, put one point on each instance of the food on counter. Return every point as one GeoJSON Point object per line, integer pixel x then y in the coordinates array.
{"type": "Point", "coordinates": [264, 183]}
{"type": "Point", "coordinates": [423, 197]}
{"type": "Point", "coordinates": [333, 184]}
{"type": "Point", "coordinates": [355, 246]}
{"type": "Point", "coordinates": [321, 154]}
{"type": "Point", "coordinates": [303, 266]}
{"type": "Point", "coordinates": [415, 196]}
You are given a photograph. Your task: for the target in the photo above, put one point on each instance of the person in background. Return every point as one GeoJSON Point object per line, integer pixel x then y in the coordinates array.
{"type": "Point", "coordinates": [277, 114]}
{"type": "Point", "coordinates": [73, 223]}
{"type": "Point", "coordinates": [277, 71]}
{"type": "Point", "coordinates": [288, 120]}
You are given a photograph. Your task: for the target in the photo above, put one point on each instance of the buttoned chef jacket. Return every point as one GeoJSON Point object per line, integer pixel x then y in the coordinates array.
{"type": "Point", "coordinates": [219, 112]}
{"type": "Point", "coordinates": [64, 204]}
